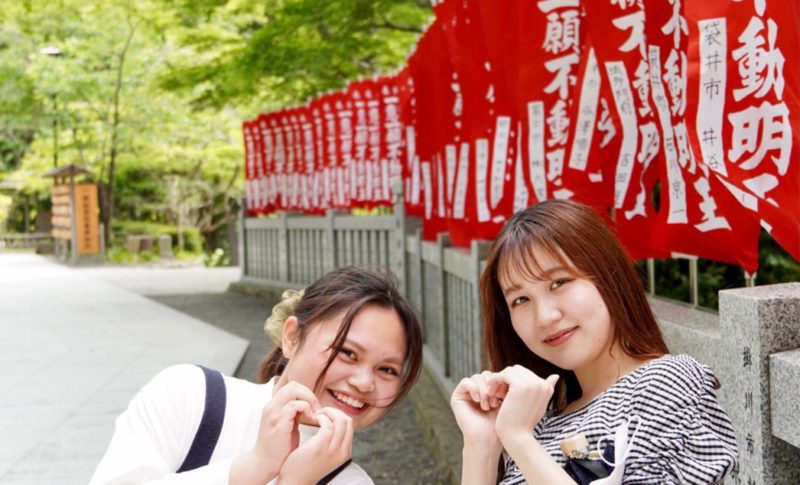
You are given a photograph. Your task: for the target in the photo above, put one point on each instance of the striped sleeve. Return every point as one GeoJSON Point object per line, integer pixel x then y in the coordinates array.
{"type": "Point", "coordinates": [682, 435]}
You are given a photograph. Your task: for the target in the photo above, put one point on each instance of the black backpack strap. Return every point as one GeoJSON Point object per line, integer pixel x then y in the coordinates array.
{"type": "Point", "coordinates": [205, 440]}
{"type": "Point", "coordinates": [330, 476]}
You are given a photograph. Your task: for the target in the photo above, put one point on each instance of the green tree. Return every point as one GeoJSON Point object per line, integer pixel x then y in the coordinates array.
{"type": "Point", "coordinates": [112, 116]}
{"type": "Point", "coordinates": [273, 53]}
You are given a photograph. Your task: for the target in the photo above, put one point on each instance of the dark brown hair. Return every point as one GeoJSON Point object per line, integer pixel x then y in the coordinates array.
{"type": "Point", "coordinates": [347, 291]}
{"type": "Point", "coordinates": [577, 237]}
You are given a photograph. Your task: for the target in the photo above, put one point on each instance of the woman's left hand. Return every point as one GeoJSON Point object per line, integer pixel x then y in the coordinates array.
{"type": "Point", "coordinates": [526, 398]}
{"type": "Point", "coordinates": [323, 452]}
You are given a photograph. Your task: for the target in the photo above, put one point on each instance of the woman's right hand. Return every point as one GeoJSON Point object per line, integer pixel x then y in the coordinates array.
{"type": "Point", "coordinates": [278, 434]}
{"type": "Point", "coordinates": [475, 403]}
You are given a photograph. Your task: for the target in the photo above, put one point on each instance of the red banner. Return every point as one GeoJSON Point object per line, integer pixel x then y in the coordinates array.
{"type": "Point", "coordinates": [673, 118]}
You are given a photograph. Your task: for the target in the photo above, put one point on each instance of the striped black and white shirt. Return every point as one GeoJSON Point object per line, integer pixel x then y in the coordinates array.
{"type": "Point", "coordinates": [677, 431]}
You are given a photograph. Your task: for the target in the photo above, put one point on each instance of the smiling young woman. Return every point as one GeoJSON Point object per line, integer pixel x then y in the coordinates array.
{"type": "Point", "coordinates": [574, 349]}
{"type": "Point", "coordinates": [348, 348]}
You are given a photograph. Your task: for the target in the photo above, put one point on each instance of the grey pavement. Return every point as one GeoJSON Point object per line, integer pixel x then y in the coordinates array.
{"type": "Point", "coordinates": [74, 348]}
{"type": "Point", "coordinates": [76, 344]}
{"type": "Point", "coordinates": [201, 293]}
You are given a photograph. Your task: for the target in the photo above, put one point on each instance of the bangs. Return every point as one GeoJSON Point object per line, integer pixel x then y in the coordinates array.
{"type": "Point", "coordinates": [519, 259]}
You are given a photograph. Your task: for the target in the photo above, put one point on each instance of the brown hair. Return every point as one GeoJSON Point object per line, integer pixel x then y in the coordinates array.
{"type": "Point", "coordinates": [347, 291]}
{"type": "Point", "coordinates": [577, 237]}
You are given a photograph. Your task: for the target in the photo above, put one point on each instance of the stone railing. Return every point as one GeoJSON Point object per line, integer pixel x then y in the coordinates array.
{"type": "Point", "coordinates": [753, 344]}
{"type": "Point", "coordinates": [25, 241]}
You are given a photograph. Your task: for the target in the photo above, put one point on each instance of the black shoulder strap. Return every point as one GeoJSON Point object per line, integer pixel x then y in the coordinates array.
{"type": "Point", "coordinates": [205, 440]}
{"type": "Point", "coordinates": [330, 476]}
{"type": "Point", "coordinates": [210, 425]}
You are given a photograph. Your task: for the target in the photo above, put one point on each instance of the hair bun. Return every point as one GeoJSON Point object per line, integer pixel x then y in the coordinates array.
{"type": "Point", "coordinates": [273, 326]}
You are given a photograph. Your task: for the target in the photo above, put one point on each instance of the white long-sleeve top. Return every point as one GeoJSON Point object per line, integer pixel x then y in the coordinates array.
{"type": "Point", "coordinates": [153, 436]}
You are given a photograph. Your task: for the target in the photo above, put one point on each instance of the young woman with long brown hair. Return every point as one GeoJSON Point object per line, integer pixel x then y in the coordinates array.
{"type": "Point", "coordinates": [574, 348]}
{"type": "Point", "coordinates": [348, 349]}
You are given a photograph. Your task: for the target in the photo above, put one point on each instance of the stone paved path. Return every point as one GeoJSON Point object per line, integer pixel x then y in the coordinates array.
{"type": "Point", "coordinates": [74, 348]}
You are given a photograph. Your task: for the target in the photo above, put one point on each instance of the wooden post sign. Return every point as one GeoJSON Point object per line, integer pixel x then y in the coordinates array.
{"type": "Point", "coordinates": [83, 214]}
{"type": "Point", "coordinates": [61, 220]}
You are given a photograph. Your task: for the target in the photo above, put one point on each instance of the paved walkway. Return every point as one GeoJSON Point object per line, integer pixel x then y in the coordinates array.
{"type": "Point", "coordinates": [74, 348]}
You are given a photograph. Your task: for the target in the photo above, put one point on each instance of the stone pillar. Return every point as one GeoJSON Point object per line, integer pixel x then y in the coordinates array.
{"type": "Point", "coordinates": [146, 243]}
{"type": "Point", "coordinates": [442, 242]}
{"type": "Point", "coordinates": [241, 226]}
{"type": "Point", "coordinates": [754, 323]}
{"type": "Point", "coordinates": [165, 246]}
{"type": "Point", "coordinates": [283, 247]}
{"type": "Point", "coordinates": [478, 252]}
{"type": "Point", "coordinates": [329, 247]}
{"type": "Point", "coordinates": [397, 256]}
{"type": "Point", "coordinates": [134, 244]}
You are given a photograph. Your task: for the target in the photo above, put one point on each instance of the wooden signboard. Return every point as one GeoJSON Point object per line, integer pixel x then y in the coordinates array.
{"type": "Point", "coordinates": [84, 214]}
{"type": "Point", "coordinates": [62, 212]}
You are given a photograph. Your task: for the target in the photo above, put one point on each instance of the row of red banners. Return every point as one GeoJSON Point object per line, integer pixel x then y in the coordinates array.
{"type": "Point", "coordinates": [681, 119]}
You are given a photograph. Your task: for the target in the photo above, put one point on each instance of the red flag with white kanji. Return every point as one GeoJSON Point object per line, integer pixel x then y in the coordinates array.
{"type": "Point", "coordinates": [760, 135]}
{"type": "Point", "coordinates": [263, 171]}
{"type": "Point", "coordinates": [617, 32]}
{"type": "Point", "coordinates": [360, 169]}
{"type": "Point", "coordinates": [343, 107]}
{"type": "Point", "coordinates": [259, 176]}
{"type": "Point", "coordinates": [318, 189]}
{"type": "Point", "coordinates": [697, 214]}
{"type": "Point", "coordinates": [431, 70]}
{"type": "Point", "coordinates": [548, 46]}
{"type": "Point", "coordinates": [595, 135]}
{"type": "Point", "coordinates": [471, 119]}
{"type": "Point", "coordinates": [497, 157]}
{"type": "Point", "coordinates": [385, 92]}
{"type": "Point", "coordinates": [305, 159]}
{"type": "Point", "coordinates": [249, 168]}
{"type": "Point", "coordinates": [281, 160]}
{"type": "Point", "coordinates": [411, 171]}
{"type": "Point", "coordinates": [394, 97]}
{"type": "Point", "coordinates": [288, 120]}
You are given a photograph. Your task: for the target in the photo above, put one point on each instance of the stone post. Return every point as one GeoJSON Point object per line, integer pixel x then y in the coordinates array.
{"type": "Point", "coordinates": [754, 323]}
{"type": "Point", "coordinates": [165, 246]}
{"type": "Point", "coordinates": [397, 256]}
{"type": "Point", "coordinates": [241, 226]}
{"type": "Point", "coordinates": [442, 242]}
{"type": "Point", "coordinates": [479, 250]}
{"type": "Point", "coordinates": [283, 247]}
{"type": "Point", "coordinates": [329, 246]}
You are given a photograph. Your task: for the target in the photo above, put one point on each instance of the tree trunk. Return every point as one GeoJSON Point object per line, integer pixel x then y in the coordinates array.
{"type": "Point", "coordinates": [108, 214]}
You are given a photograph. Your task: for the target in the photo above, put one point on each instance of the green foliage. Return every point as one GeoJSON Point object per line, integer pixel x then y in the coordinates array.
{"type": "Point", "coordinates": [101, 101]}
{"type": "Point", "coordinates": [272, 53]}
{"type": "Point", "coordinates": [21, 110]}
{"type": "Point", "coordinates": [5, 207]}
{"type": "Point", "coordinates": [123, 229]}
{"type": "Point", "coordinates": [672, 279]}
{"type": "Point", "coordinates": [774, 263]}
{"type": "Point", "coordinates": [120, 256]}
{"type": "Point", "coordinates": [188, 255]}
{"type": "Point", "coordinates": [712, 277]}
{"type": "Point", "coordinates": [216, 258]}
{"type": "Point", "coordinates": [672, 275]}
{"type": "Point", "coordinates": [147, 256]}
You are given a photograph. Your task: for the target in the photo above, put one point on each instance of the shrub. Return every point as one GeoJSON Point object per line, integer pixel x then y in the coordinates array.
{"type": "Point", "coordinates": [122, 229]}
